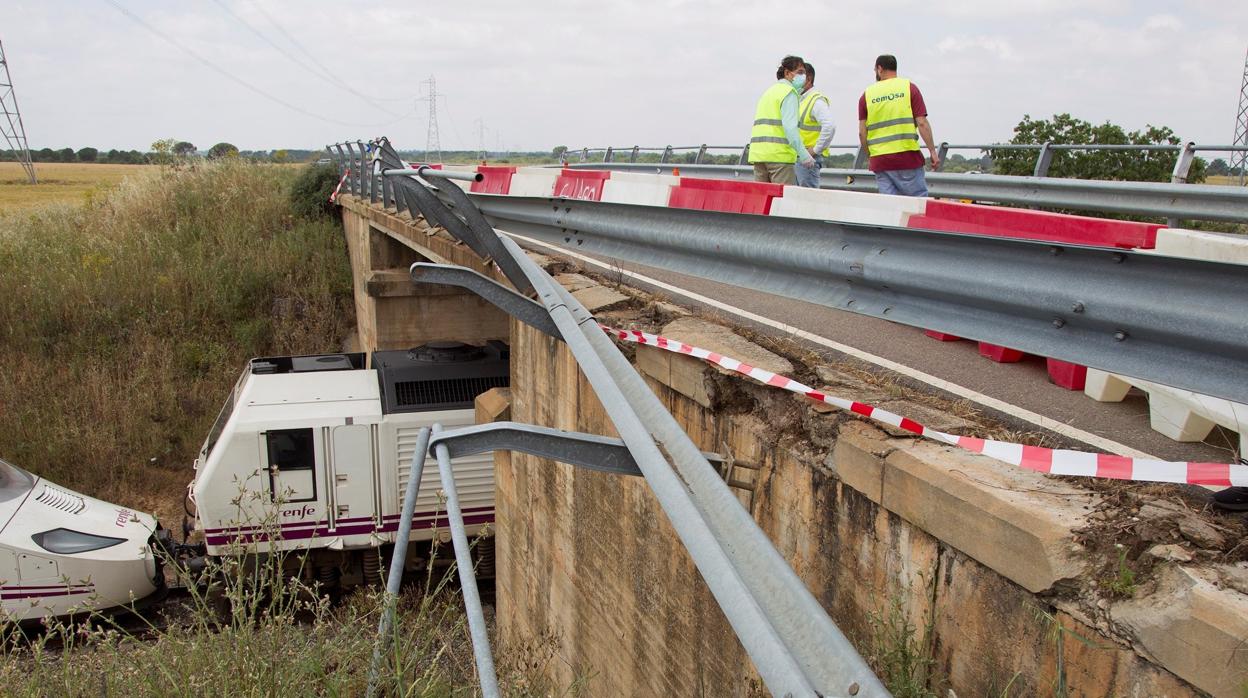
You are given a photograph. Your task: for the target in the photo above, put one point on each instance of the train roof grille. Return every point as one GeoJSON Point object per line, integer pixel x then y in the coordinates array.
{"type": "Point", "coordinates": [440, 375]}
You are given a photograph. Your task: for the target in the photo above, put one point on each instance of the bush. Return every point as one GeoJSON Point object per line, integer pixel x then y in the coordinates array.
{"type": "Point", "coordinates": [309, 195]}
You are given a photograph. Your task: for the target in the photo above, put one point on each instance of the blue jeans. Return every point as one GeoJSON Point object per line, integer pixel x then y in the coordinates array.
{"type": "Point", "coordinates": [903, 182]}
{"type": "Point", "coordinates": [808, 177]}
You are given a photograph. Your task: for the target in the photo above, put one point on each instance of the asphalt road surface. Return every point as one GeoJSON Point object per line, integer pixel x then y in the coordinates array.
{"type": "Point", "coordinates": [1019, 394]}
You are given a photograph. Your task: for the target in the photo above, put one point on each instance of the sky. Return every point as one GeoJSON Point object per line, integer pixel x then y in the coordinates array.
{"type": "Point", "coordinates": [267, 74]}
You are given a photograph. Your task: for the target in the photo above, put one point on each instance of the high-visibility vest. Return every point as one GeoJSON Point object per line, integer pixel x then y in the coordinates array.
{"type": "Point", "coordinates": [767, 140]}
{"type": "Point", "coordinates": [890, 120]}
{"type": "Point", "coordinates": [806, 124]}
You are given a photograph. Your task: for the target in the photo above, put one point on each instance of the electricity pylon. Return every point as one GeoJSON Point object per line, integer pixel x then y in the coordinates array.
{"type": "Point", "coordinates": [1239, 159]}
{"type": "Point", "coordinates": [11, 125]}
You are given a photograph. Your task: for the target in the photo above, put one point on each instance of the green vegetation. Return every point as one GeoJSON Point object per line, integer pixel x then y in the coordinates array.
{"type": "Point", "coordinates": [125, 320]}
{"type": "Point", "coordinates": [1123, 582]}
{"type": "Point", "coordinates": [1131, 165]}
{"type": "Point", "coordinates": [257, 631]}
{"type": "Point", "coordinates": [900, 656]}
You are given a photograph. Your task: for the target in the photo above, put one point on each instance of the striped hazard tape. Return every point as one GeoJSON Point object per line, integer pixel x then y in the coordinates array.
{"type": "Point", "coordinates": [334, 196]}
{"type": "Point", "coordinates": [1044, 460]}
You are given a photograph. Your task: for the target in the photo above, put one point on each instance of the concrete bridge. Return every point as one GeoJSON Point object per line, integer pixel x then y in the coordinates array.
{"type": "Point", "coordinates": [997, 580]}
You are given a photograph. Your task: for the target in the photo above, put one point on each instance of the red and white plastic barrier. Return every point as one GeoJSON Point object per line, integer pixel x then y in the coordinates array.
{"type": "Point", "coordinates": [1044, 460]}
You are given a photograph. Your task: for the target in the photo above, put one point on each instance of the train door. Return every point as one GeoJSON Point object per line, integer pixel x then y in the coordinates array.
{"type": "Point", "coordinates": [353, 473]}
{"type": "Point", "coordinates": [292, 468]}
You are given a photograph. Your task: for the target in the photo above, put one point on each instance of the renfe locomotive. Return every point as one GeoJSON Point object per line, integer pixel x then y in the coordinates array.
{"type": "Point", "coordinates": [313, 454]}
{"type": "Point", "coordinates": [62, 552]}
{"type": "Point", "coordinates": [310, 454]}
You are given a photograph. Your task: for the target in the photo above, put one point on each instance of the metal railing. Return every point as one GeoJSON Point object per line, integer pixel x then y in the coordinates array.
{"type": "Point", "coordinates": [1162, 200]}
{"type": "Point", "coordinates": [794, 645]}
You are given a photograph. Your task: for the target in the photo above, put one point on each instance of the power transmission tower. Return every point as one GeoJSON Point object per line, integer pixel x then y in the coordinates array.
{"type": "Point", "coordinates": [14, 131]}
{"type": "Point", "coordinates": [1240, 159]}
{"type": "Point", "coordinates": [433, 145]}
{"type": "Point", "coordinates": [481, 139]}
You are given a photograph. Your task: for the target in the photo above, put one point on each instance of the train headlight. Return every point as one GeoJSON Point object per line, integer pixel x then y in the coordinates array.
{"type": "Point", "coordinates": [66, 542]}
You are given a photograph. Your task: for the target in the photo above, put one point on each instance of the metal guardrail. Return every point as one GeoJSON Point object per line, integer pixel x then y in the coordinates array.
{"type": "Point", "coordinates": [1220, 203]}
{"type": "Point", "coordinates": [794, 645]}
{"type": "Point", "coordinates": [1172, 201]}
{"type": "Point", "coordinates": [1168, 320]}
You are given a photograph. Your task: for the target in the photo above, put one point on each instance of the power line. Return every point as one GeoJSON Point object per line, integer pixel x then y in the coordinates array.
{"type": "Point", "coordinates": [15, 130]}
{"type": "Point", "coordinates": [239, 81]}
{"type": "Point", "coordinates": [312, 57]}
{"type": "Point", "coordinates": [319, 74]}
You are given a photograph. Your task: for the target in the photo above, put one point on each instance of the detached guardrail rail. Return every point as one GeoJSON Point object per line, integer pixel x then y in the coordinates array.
{"type": "Point", "coordinates": [794, 645]}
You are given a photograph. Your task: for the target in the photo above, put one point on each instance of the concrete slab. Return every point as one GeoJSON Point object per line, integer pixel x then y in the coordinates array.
{"type": "Point", "coordinates": [1193, 628]}
{"type": "Point", "coordinates": [598, 298]}
{"type": "Point", "coordinates": [1014, 521]}
{"type": "Point", "coordinates": [723, 340]}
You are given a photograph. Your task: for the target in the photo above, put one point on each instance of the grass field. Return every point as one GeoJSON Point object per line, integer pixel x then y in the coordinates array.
{"type": "Point", "coordinates": [1222, 179]}
{"type": "Point", "coordinates": [69, 183]}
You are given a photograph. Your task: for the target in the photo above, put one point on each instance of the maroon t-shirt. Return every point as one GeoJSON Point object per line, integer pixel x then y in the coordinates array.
{"type": "Point", "coordinates": [909, 159]}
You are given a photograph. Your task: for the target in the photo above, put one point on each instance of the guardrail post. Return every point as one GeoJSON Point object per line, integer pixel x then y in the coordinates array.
{"type": "Point", "coordinates": [1182, 166]}
{"type": "Point", "coordinates": [860, 158]}
{"type": "Point", "coordinates": [633, 157]}
{"type": "Point", "coordinates": [1043, 160]}
{"type": "Point", "coordinates": [745, 155]}
{"type": "Point", "coordinates": [667, 155]}
{"type": "Point", "coordinates": [701, 153]}
{"type": "Point", "coordinates": [942, 152]}
{"type": "Point", "coordinates": [606, 157]}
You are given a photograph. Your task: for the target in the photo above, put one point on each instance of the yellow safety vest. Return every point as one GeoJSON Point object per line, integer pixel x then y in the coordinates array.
{"type": "Point", "coordinates": [890, 120]}
{"type": "Point", "coordinates": [767, 140]}
{"type": "Point", "coordinates": [807, 124]}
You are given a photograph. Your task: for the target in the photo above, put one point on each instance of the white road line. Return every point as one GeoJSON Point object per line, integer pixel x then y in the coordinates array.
{"type": "Point", "coordinates": [961, 391]}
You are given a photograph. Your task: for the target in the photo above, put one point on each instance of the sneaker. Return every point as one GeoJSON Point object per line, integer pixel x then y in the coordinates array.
{"type": "Point", "coordinates": [1232, 499]}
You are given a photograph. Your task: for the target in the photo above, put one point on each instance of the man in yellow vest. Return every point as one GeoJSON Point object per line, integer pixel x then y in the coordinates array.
{"type": "Point", "coordinates": [774, 141]}
{"type": "Point", "coordinates": [891, 118]}
{"type": "Point", "coordinates": [817, 129]}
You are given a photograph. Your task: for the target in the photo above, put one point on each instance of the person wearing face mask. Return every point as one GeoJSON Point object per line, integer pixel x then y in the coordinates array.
{"type": "Point", "coordinates": [775, 141]}
{"type": "Point", "coordinates": [891, 118]}
{"type": "Point", "coordinates": [818, 129]}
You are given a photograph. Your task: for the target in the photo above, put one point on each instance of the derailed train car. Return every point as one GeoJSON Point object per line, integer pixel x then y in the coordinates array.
{"type": "Point", "coordinates": [63, 553]}
{"type": "Point", "coordinates": [313, 453]}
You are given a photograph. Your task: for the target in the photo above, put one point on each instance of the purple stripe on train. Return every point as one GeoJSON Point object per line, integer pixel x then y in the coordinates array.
{"type": "Point", "coordinates": [244, 536]}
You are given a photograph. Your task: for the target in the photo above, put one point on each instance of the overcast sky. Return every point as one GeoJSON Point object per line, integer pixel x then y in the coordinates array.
{"type": "Point", "coordinates": [540, 74]}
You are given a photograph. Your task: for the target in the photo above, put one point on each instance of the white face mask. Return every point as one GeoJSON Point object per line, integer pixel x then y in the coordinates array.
{"type": "Point", "coordinates": [799, 80]}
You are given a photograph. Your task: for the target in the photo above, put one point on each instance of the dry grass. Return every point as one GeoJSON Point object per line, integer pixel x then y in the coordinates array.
{"type": "Point", "coordinates": [125, 320]}
{"type": "Point", "coordinates": [61, 183]}
{"type": "Point", "coordinates": [1225, 180]}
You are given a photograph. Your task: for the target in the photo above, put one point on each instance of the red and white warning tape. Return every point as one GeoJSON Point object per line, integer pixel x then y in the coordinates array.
{"type": "Point", "coordinates": [334, 196]}
{"type": "Point", "coordinates": [1044, 460]}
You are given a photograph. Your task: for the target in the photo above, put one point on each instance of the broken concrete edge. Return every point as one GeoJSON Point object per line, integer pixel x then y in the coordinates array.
{"type": "Point", "coordinates": [1016, 522]}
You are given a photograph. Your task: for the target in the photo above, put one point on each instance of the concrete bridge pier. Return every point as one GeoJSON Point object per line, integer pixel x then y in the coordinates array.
{"type": "Point", "coordinates": [392, 312]}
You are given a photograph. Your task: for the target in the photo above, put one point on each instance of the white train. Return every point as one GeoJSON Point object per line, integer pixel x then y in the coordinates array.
{"type": "Point", "coordinates": [63, 553]}
{"type": "Point", "coordinates": [313, 454]}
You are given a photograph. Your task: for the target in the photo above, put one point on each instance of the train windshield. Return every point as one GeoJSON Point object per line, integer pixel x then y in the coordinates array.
{"type": "Point", "coordinates": [14, 482]}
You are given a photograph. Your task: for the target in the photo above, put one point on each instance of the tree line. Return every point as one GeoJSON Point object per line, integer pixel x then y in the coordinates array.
{"type": "Point", "coordinates": [164, 151]}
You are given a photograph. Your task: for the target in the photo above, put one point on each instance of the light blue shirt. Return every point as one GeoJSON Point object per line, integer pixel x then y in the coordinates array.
{"type": "Point", "coordinates": [788, 120]}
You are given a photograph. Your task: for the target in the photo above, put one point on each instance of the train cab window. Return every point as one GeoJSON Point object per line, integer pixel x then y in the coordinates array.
{"type": "Point", "coordinates": [292, 461]}
{"type": "Point", "coordinates": [291, 449]}
{"type": "Point", "coordinates": [14, 482]}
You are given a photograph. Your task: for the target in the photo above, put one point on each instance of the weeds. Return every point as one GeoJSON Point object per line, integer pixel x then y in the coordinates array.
{"type": "Point", "coordinates": [122, 319]}
{"type": "Point", "coordinates": [902, 658]}
{"type": "Point", "coordinates": [1123, 583]}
